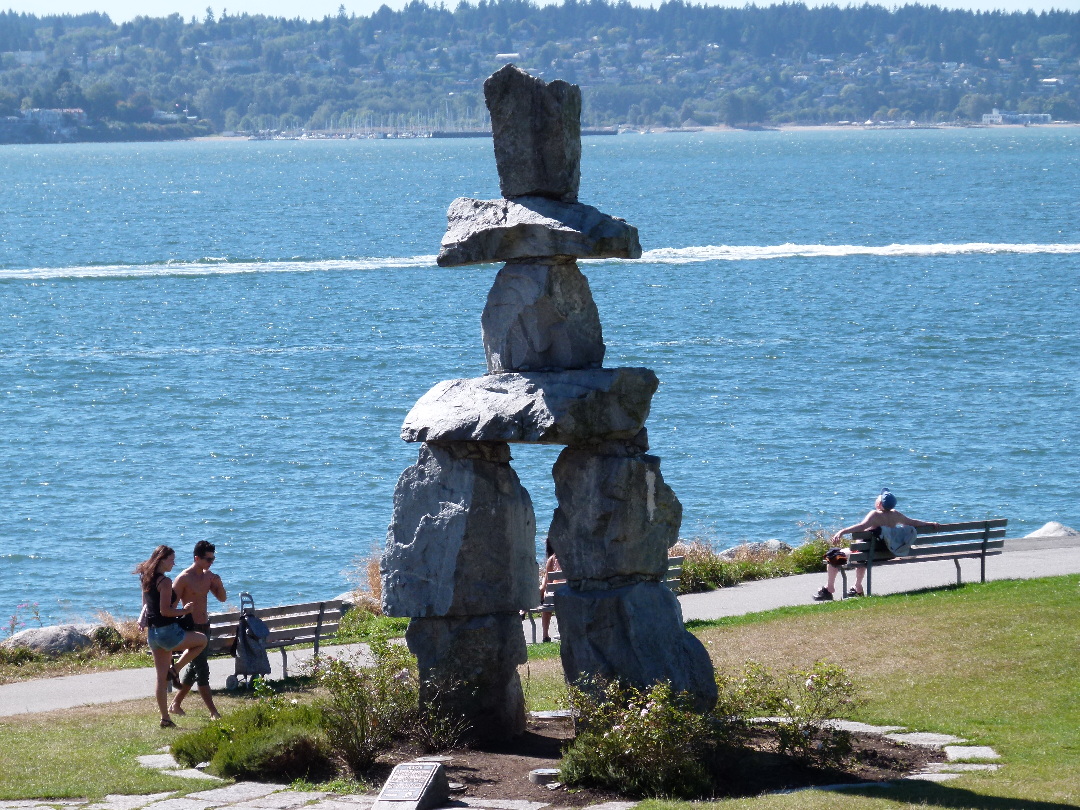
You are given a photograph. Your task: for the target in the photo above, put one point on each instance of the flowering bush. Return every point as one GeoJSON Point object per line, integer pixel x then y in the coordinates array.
{"type": "Point", "coordinates": [640, 743]}
{"type": "Point", "coordinates": [806, 700]}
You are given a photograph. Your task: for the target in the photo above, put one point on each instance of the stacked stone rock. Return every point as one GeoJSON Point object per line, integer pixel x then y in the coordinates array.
{"type": "Point", "coordinates": [460, 548]}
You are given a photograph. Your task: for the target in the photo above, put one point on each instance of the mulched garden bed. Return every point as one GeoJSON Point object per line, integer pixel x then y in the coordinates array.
{"type": "Point", "coordinates": [503, 772]}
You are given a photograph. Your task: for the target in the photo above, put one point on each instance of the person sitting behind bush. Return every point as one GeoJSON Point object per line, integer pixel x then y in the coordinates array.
{"type": "Point", "coordinates": [884, 514]}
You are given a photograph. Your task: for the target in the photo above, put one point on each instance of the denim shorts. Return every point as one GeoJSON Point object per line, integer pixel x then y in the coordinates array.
{"type": "Point", "coordinates": [168, 637]}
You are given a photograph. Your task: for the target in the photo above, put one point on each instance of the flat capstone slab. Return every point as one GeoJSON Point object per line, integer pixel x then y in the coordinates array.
{"type": "Point", "coordinates": [542, 407]}
{"type": "Point", "coordinates": [954, 753]}
{"type": "Point", "coordinates": [926, 739]}
{"type": "Point", "coordinates": [163, 762]}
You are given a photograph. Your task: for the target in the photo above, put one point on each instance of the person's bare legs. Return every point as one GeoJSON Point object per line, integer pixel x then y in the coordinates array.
{"type": "Point", "coordinates": [208, 698]}
{"type": "Point", "coordinates": [162, 663]}
{"type": "Point", "coordinates": [833, 571]}
{"type": "Point", "coordinates": [205, 693]}
{"type": "Point", "coordinates": [860, 575]}
{"type": "Point", "coordinates": [191, 645]}
{"type": "Point", "coordinates": [545, 623]}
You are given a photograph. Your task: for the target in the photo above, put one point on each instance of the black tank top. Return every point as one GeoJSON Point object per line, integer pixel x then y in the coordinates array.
{"type": "Point", "coordinates": [152, 601]}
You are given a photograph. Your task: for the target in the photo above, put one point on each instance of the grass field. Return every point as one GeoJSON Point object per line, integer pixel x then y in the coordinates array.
{"type": "Point", "coordinates": [997, 664]}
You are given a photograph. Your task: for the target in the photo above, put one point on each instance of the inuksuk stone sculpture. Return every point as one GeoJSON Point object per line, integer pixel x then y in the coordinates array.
{"type": "Point", "coordinates": [460, 547]}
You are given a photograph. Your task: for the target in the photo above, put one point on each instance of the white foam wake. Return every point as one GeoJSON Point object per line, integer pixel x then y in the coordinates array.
{"type": "Point", "coordinates": [687, 255]}
{"type": "Point", "coordinates": [213, 267]}
{"type": "Point", "coordinates": [709, 253]}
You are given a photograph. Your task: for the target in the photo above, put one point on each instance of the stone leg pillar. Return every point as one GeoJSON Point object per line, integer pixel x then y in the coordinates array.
{"type": "Point", "coordinates": [615, 522]}
{"type": "Point", "coordinates": [460, 562]}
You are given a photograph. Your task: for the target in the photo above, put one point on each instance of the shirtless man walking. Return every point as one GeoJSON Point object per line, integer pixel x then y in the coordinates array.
{"type": "Point", "coordinates": [192, 586]}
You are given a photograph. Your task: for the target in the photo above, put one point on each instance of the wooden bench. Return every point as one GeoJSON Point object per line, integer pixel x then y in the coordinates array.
{"type": "Point", "coordinates": [948, 541]}
{"type": "Point", "coordinates": [308, 623]}
{"type": "Point", "coordinates": [671, 578]}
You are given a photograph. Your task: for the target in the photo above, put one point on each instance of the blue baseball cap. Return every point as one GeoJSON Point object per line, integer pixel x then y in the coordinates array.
{"type": "Point", "coordinates": [888, 500]}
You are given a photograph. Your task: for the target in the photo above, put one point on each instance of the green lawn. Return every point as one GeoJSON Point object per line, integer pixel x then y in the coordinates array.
{"type": "Point", "coordinates": [998, 664]}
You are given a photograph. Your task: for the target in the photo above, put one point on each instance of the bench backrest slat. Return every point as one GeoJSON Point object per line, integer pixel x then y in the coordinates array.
{"type": "Point", "coordinates": [937, 539]}
{"type": "Point", "coordinates": [672, 577]}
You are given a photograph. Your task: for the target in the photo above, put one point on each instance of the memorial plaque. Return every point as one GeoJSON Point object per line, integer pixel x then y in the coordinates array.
{"type": "Point", "coordinates": [414, 786]}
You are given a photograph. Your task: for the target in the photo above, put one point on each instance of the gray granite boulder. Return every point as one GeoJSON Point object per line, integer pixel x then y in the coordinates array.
{"type": "Point", "coordinates": [541, 316]}
{"type": "Point", "coordinates": [536, 128]}
{"type": "Point", "coordinates": [468, 669]}
{"type": "Point", "coordinates": [635, 634]}
{"type": "Point", "coordinates": [56, 640]}
{"type": "Point", "coordinates": [616, 518]}
{"type": "Point", "coordinates": [481, 231]}
{"type": "Point", "coordinates": [557, 407]}
{"type": "Point", "coordinates": [461, 540]}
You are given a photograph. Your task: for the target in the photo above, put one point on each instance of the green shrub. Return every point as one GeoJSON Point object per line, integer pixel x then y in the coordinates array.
{"type": "Point", "coordinates": [361, 624]}
{"type": "Point", "coordinates": [806, 700]}
{"type": "Point", "coordinates": [639, 743]}
{"type": "Point", "coordinates": [652, 744]}
{"type": "Point", "coordinates": [273, 739]}
{"type": "Point", "coordinates": [15, 656]}
{"type": "Point", "coordinates": [107, 639]}
{"type": "Point", "coordinates": [281, 752]}
{"type": "Point", "coordinates": [704, 569]}
{"type": "Point", "coordinates": [367, 708]}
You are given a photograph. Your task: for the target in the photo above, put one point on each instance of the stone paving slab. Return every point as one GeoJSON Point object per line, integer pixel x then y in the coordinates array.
{"type": "Point", "coordinates": [282, 800]}
{"type": "Point", "coordinates": [956, 752]}
{"type": "Point", "coordinates": [931, 777]}
{"type": "Point", "coordinates": [193, 773]}
{"type": "Point", "coordinates": [926, 739]}
{"type": "Point", "coordinates": [498, 804]}
{"type": "Point", "coordinates": [960, 767]}
{"type": "Point", "coordinates": [231, 794]}
{"type": "Point", "coordinates": [116, 801]}
{"type": "Point", "coordinates": [159, 761]}
{"type": "Point", "coordinates": [863, 728]}
{"type": "Point", "coordinates": [342, 803]}
{"type": "Point", "coordinates": [182, 804]}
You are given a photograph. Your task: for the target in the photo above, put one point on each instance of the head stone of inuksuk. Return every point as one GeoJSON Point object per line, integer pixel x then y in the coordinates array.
{"type": "Point", "coordinates": [460, 556]}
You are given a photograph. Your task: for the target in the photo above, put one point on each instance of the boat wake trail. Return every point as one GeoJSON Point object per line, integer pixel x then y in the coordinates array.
{"type": "Point", "coordinates": [688, 255]}
{"type": "Point", "coordinates": [712, 253]}
{"type": "Point", "coordinates": [215, 267]}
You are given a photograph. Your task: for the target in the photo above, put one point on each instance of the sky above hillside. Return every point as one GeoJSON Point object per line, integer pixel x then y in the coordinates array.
{"type": "Point", "coordinates": [123, 10]}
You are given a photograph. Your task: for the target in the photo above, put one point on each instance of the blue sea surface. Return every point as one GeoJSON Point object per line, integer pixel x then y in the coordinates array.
{"type": "Point", "coordinates": [219, 340]}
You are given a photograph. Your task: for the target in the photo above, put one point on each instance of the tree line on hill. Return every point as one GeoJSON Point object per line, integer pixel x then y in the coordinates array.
{"type": "Point", "coordinates": [422, 68]}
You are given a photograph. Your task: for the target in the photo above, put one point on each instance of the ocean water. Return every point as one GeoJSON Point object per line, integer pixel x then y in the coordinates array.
{"type": "Point", "coordinates": [220, 340]}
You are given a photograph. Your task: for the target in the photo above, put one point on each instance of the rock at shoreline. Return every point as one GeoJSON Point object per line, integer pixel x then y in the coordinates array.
{"type": "Point", "coordinates": [536, 129]}
{"type": "Point", "coordinates": [541, 316]}
{"type": "Point", "coordinates": [53, 641]}
{"type": "Point", "coordinates": [1054, 529]}
{"type": "Point", "coordinates": [563, 407]}
{"type": "Point", "coordinates": [745, 550]}
{"type": "Point", "coordinates": [460, 542]}
{"type": "Point", "coordinates": [480, 231]}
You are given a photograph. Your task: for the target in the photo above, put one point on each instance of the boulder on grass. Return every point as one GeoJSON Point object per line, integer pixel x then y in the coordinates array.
{"type": "Point", "coordinates": [52, 641]}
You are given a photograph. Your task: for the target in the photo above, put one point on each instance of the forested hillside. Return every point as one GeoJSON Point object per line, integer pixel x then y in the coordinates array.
{"type": "Point", "coordinates": [422, 67]}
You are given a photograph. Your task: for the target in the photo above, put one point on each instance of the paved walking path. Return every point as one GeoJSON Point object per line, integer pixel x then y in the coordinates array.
{"type": "Point", "coordinates": [1024, 558]}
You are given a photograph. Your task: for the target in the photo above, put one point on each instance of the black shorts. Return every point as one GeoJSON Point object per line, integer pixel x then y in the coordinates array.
{"type": "Point", "coordinates": [198, 671]}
